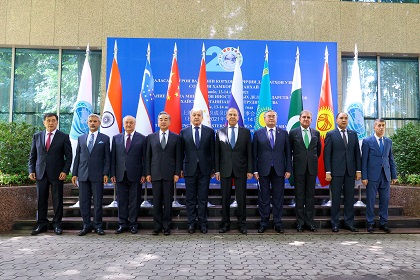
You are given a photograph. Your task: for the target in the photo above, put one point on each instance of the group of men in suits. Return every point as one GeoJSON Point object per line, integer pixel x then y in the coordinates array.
{"type": "Point", "coordinates": [198, 154]}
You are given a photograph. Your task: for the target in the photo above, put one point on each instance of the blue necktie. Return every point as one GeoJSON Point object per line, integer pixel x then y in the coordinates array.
{"type": "Point", "coordinates": [232, 137]}
{"type": "Point", "coordinates": [197, 136]}
{"type": "Point", "coordinates": [271, 138]}
{"type": "Point", "coordinates": [90, 144]}
{"type": "Point", "coordinates": [381, 146]}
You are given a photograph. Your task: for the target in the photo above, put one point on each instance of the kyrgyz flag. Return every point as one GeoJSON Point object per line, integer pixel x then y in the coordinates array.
{"type": "Point", "coordinates": [264, 100]}
{"type": "Point", "coordinates": [296, 104]}
{"type": "Point", "coordinates": [325, 118]}
{"type": "Point", "coordinates": [201, 98]}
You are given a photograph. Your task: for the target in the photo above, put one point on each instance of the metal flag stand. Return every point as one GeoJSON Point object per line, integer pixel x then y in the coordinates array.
{"type": "Point", "coordinates": [359, 203]}
{"type": "Point", "coordinates": [146, 203]}
{"type": "Point", "coordinates": [77, 204]}
{"type": "Point", "coordinates": [175, 203]}
{"type": "Point", "coordinates": [114, 203]}
{"type": "Point", "coordinates": [234, 204]}
{"type": "Point", "coordinates": [328, 203]}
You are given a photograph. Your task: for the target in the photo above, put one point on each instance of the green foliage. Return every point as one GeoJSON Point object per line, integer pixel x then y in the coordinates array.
{"type": "Point", "coordinates": [15, 144]}
{"type": "Point", "coordinates": [411, 179]}
{"type": "Point", "coordinates": [14, 179]}
{"type": "Point", "coordinates": [406, 148]}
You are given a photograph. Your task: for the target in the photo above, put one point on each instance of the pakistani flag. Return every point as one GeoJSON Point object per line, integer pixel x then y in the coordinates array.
{"type": "Point", "coordinates": [264, 101]}
{"type": "Point", "coordinates": [296, 105]}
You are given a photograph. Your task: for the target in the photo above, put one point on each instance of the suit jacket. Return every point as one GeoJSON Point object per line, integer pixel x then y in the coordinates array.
{"type": "Point", "coordinates": [95, 165]}
{"type": "Point", "coordinates": [337, 158]}
{"type": "Point", "coordinates": [303, 157]}
{"type": "Point", "coordinates": [280, 156]}
{"type": "Point", "coordinates": [238, 159]}
{"type": "Point", "coordinates": [56, 160]}
{"type": "Point", "coordinates": [163, 163]}
{"type": "Point", "coordinates": [373, 161]}
{"type": "Point", "coordinates": [204, 154]}
{"type": "Point", "coordinates": [130, 161]}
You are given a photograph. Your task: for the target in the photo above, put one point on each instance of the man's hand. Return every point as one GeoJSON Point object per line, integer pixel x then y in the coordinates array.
{"type": "Point", "coordinates": [394, 181]}
{"type": "Point", "coordinates": [249, 176]}
{"type": "Point", "coordinates": [358, 175]}
{"type": "Point", "coordinates": [217, 175]}
{"type": "Point", "coordinates": [256, 176]}
{"type": "Point", "coordinates": [62, 176]}
{"type": "Point", "coordinates": [105, 179]}
{"type": "Point", "coordinates": [74, 180]}
{"type": "Point", "coordinates": [287, 175]}
{"type": "Point", "coordinates": [113, 180]}
{"type": "Point", "coordinates": [32, 176]}
{"type": "Point", "coordinates": [176, 178]}
{"type": "Point", "coordinates": [142, 179]}
{"type": "Point", "coordinates": [182, 174]}
{"type": "Point", "coordinates": [149, 178]}
{"type": "Point", "coordinates": [328, 176]}
{"type": "Point", "coordinates": [365, 182]}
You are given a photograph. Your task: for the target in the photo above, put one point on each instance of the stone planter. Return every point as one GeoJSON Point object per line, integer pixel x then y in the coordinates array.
{"type": "Point", "coordinates": [19, 202]}
{"type": "Point", "coordinates": [408, 197]}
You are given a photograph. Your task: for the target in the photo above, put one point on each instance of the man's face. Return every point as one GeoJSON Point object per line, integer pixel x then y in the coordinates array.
{"type": "Point", "coordinates": [196, 117]}
{"type": "Point", "coordinates": [342, 120]}
{"type": "Point", "coordinates": [94, 123]}
{"type": "Point", "coordinates": [163, 122]}
{"type": "Point", "coordinates": [50, 123]}
{"type": "Point", "coordinates": [270, 119]}
{"type": "Point", "coordinates": [305, 119]}
{"type": "Point", "coordinates": [129, 124]}
{"type": "Point", "coordinates": [379, 129]}
{"type": "Point", "coordinates": [232, 117]}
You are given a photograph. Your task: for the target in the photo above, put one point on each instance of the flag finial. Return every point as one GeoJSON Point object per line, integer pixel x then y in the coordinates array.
{"type": "Point", "coordinates": [175, 51]}
{"type": "Point", "coordinates": [266, 52]}
{"type": "Point", "coordinates": [148, 52]}
{"type": "Point", "coordinates": [297, 52]}
{"type": "Point", "coordinates": [203, 52]}
{"type": "Point", "coordinates": [115, 49]}
{"type": "Point", "coordinates": [87, 50]}
{"type": "Point", "coordinates": [326, 54]}
{"type": "Point", "coordinates": [356, 53]}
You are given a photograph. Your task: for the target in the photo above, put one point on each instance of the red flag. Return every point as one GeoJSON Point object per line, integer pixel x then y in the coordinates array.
{"type": "Point", "coordinates": [201, 98]}
{"type": "Point", "coordinates": [325, 118]}
{"type": "Point", "coordinates": [173, 97]}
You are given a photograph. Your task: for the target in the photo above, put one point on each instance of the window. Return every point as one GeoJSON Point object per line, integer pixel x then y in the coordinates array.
{"type": "Point", "coordinates": [5, 70]}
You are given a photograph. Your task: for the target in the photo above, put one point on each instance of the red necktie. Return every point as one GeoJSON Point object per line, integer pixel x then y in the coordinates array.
{"type": "Point", "coordinates": [48, 144]}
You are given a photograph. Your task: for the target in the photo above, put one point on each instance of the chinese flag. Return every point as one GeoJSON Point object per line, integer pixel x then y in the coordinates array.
{"type": "Point", "coordinates": [173, 97]}
{"type": "Point", "coordinates": [325, 118]}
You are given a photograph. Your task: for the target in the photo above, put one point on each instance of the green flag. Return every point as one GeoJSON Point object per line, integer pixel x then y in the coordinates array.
{"type": "Point", "coordinates": [264, 100]}
{"type": "Point", "coordinates": [296, 105]}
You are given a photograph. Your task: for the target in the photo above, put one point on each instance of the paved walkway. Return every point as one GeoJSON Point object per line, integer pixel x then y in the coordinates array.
{"type": "Point", "coordinates": [211, 256]}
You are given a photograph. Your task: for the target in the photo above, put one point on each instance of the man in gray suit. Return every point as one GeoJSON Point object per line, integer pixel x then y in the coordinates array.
{"type": "Point", "coordinates": [306, 147]}
{"type": "Point", "coordinates": [91, 168]}
{"type": "Point", "coordinates": [49, 163]}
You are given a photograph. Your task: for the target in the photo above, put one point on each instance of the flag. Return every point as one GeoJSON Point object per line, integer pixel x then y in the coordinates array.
{"type": "Point", "coordinates": [264, 100]}
{"type": "Point", "coordinates": [112, 113]}
{"type": "Point", "coordinates": [325, 118]}
{"type": "Point", "coordinates": [83, 105]}
{"type": "Point", "coordinates": [201, 98]}
{"type": "Point", "coordinates": [353, 104]}
{"type": "Point", "coordinates": [296, 104]}
{"type": "Point", "coordinates": [173, 97]}
{"type": "Point", "coordinates": [237, 94]}
{"type": "Point", "coordinates": [145, 116]}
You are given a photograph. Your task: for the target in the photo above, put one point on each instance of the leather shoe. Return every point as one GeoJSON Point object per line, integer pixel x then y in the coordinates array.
{"type": "Point", "coordinates": [191, 229]}
{"type": "Point", "coordinates": [224, 229]}
{"type": "Point", "coordinates": [156, 231]}
{"type": "Point", "coordinates": [279, 229]}
{"type": "Point", "coordinates": [243, 230]}
{"type": "Point", "coordinates": [312, 228]}
{"type": "Point", "coordinates": [299, 228]}
{"type": "Point", "coordinates": [100, 231]}
{"type": "Point", "coordinates": [352, 228]}
{"type": "Point", "coordinates": [335, 229]}
{"type": "Point", "coordinates": [369, 228]}
{"type": "Point", "coordinates": [167, 231]}
{"type": "Point", "coordinates": [262, 229]}
{"type": "Point", "coordinates": [38, 230]}
{"type": "Point", "coordinates": [385, 229]}
{"type": "Point", "coordinates": [204, 229]}
{"type": "Point", "coordinates": [134, 230]}
{"type": "Point", "coordinates": [121, 229]}
{"type": "Point", "coordinates": [58, 231]}
{"type": "Point", "coordinates": [84, 231]}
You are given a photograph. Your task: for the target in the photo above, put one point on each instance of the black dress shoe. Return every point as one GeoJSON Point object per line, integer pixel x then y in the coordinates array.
{"type": "Point", "coordinates": [385, 229]}
{"type": "Point", "coordinates": [84, 231]}
{"type": "Point", "coordinates": [100, 231]}
{"type": "Point", "coordinates": [299, 228]}
{"type": "Point", "coordinates": [335, 229]}
{"type": "Point", "coordinates": [121, 229]}
{"type": "Point", "coordinates": [38, 230]}
{"type": "Point", "coordinates": [369, 228]}
{"type": "Point", "coordinates": [262, 229]}
{"type": "Point", "coordinates": [167, 231]}
{"type": "Point", "coordinates": [58, 231]}
{"type": "Point", "coordinates": [203, 229]}
{"type": "Point", "coordinates": [191, 229]}
{"type": "Point", "coordinates": [352, 228]}
{"type": "Point", "coordinates": [279, 229]}
{"type": "Point", "coordinates": [134, 230]}
{"type": "Point", "coordinates": [312, 228]}
{"type": "Point", "coordinates": [224, 229]}
{"type": "Point", "coordinates": [243, 230]}
{"type": "Point", "coordinates": [156, 231]}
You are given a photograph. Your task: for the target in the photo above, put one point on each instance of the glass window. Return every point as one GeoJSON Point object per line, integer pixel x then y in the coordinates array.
{"type": "Point", "coordinates": [5, 71]}
{"type": "Point", "coordinates": [72, 66]}
{"type": "Point", "coordinates": [36, 85]}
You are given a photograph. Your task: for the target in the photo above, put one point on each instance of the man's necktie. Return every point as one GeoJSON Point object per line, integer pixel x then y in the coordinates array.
{"type": "Point", "coordinates": [271, 138]}
{"type": "Point", "coordinates": [306, 138]}
{"type": "Point", "coordinates": [344, 138]}
{"type": "Point", "coordinates": [381, 146]}
{"type": "Point", "coordinates": [90, 144]}
{"type": "Point", "coordinates": [197, 136]}
{"type": "Point", "coordinates": [48, 144]}
{"type": "Point", "coordinates": [128, 143]}
{"type": "Point", "coordinates": [232, 137]}
{"type": "Point", "coordinates": [163, 141]}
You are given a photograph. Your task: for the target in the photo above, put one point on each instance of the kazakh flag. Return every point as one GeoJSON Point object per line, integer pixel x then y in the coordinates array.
{"type": "Point", "coordinates": [264, 101]}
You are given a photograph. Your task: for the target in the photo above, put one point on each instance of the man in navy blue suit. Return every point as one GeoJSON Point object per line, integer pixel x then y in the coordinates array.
{"type": "Point", "coordinates": [198, 168]}
{"type": "Point", "coordinates": [49, 163]}
{"type": "Point", "coordinates": [378, 171]}
{"type": "Point", "coordinates": [343, 165]}
{"type": "Point", "coordinates": [127, 156]}
{"type": "Point", "coordinates": [272, 164]}
{"type": "Point", "coordinates": [91, 168]}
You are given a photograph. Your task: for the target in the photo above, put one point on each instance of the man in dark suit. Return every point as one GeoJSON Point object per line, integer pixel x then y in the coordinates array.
{"type": "Point", "coordinates": [198, 168]}
{"type": "Point", "coordinates": [233, 160]}
{"type": "Point", "coordinates": [272, 164]}
{"type": "Point", "coordinates": [306, 147]}
{"type": "Point", "coordinates": [378, 171]}
{"type": "Point", "coordinates": [163, 168]}
{"type": "Point", "coordinates": [342, 162]}
{"type": "Point", "coordinates": [127, 155]}
{"type": "Point", "coordinates": [91, 168]}
{"type": "Point", "coordinates": [49, 163]}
